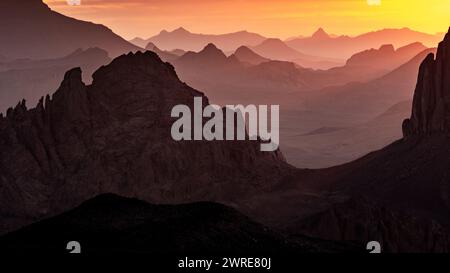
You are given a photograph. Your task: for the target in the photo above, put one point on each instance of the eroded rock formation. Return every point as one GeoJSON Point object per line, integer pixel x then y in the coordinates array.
{"type": "Point", "coordinates": [431, 106]}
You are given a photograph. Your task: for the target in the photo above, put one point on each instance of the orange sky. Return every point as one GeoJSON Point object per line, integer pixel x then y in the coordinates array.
{"type": "Point", "coordinates": [274, 18]}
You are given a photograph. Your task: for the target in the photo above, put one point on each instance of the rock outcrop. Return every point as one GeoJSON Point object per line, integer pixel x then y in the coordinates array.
{"type": "Point", "coordinates": [431, 106]}
{"type": "Point", "coordinates": [113, 136]}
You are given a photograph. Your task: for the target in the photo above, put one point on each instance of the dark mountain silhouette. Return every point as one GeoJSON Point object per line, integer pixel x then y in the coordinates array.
{"type": "Point", "coordinates": [276, 49]}
{"type": "Point", "coordinates": [110, 224]}
{"type": "Point", "coordinates": [164, 55]}
{"type": "Point", "coordinates": [431, 98]}
{"type": "Point", "coordinates": [246, 55]}
{"type": "Point", "coordinates": [342, 47]}
{"type": "Point", "coordinates": [114, 136]}
{"type": "Point", "coordinates": [29, 29]}
{"type": "Point", "coordinates": [31, 79]}
{"type": "Point", "coordinates": [183, 39]}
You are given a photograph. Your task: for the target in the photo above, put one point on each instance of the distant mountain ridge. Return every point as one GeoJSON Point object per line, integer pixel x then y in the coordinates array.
{"type": "Point", "coordinates": [342, 47]}
{"type": "Point", "coordinates": [246, 55]}
{"type": "Point", "coordinates": [29, 80]}
{"type": "Point", "coordinates": [166, 56]}
{"type": "Point", "coordinates": [183, 39]}
{"type": "Point", "coordinates": [276, 49]}
{"type": "Point", "coordinates": [386, 57]}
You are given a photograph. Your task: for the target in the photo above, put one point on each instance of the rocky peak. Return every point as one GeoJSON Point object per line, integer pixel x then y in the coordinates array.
{"type": "Point", "coordinates": [151, 46]}
{"type": "Point", "coordinates": [181, 30]}
{"type": "Point", "coordinates": [140, 66]}
{"type": "Point", "coordinates": [246, 55]}
{"type": "Point", "coordinates": [210, 55]}
{"type": "Point", "coordinates": [431, 105]}
{"type": "Point", "coordinates": [320, 34]}
{"type": "Point", "coordinates": [243, 50]}
{"type": "Point", "coordinates": [211, 49]}
{"type": "Point", "coordinates": [113, 136]}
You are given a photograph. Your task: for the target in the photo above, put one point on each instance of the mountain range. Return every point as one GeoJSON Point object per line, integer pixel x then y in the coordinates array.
{"type": "Point", "coordinates": [397, 195]}
{"type": "Point", "coordinates": [321, 49]}
{"type": "Point", "coordinates": [276, 49]}
{"type": "Point", "coordinates": [88, 140]}
{"type": "Point", "coordinates": [343, 47]}
{"type": "Point", "coordinates": [180, 38]}
{"type": "Point", "coordinates": [344, 97]}
{"type": "Point", "coordinates": [386, 57]}
{"type": "Point", "coordinates": [96, 160]}
{"type": "Point", "coordinates": [352, 119]}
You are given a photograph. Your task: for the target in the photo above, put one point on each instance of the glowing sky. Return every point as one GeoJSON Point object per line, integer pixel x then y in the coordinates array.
{"type": "Point", "coordinates": [274, 18]}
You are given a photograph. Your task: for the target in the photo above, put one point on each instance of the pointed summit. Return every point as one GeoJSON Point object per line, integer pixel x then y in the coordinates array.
{"type": "Point", "coordinates": [246, 55]}
{"type": "Point", "coordinates": [151, 46]}
{"type": "Point", "coordinates": [181, 30]}
{"type": "Point", "coordinates": [210, 54]}
{"type": "Point", "coordinates": [276, 49]}
{"type": "Point", "coordinates": [212, 50]}
{"type": "Point", "coordinates": [320, 34]}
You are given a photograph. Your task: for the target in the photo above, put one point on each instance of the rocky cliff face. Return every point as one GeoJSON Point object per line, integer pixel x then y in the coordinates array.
{"type": "Point", "coordinates": [431, 106]}
{"type": "Point", "coordinates": [114, 137]}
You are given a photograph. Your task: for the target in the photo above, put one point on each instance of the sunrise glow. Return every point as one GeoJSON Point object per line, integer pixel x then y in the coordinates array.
{"type": "Point", "coordinates": [280, 18]}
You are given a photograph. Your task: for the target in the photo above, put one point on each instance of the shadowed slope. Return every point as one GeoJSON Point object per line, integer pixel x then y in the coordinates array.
{"type": "Point", "coordinates": [111, 224]}
{"type": "Point", "coordinates": [29, 29]}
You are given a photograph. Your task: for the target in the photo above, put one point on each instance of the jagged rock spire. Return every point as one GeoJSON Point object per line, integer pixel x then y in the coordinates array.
{"type": "Point", "coordinates": [431, 105]}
